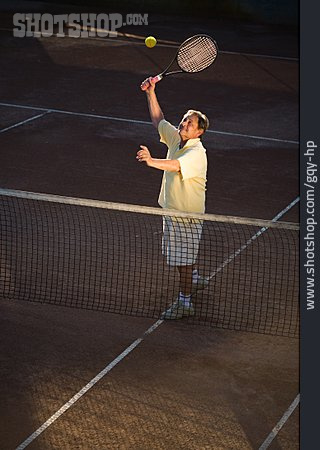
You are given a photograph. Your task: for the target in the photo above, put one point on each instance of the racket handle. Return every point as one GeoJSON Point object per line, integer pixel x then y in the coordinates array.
{"type": "Point", "coordinates": [154, 79]}
{"type": "Point", "coordinates": [157, 78]}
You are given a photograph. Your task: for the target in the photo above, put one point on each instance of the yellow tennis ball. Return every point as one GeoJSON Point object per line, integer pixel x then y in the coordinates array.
{"type": "Point", "coordinates": [150, 41]}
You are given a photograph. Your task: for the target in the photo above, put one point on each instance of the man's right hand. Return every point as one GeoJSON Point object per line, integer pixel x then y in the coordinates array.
{"type": "Point", "coordinates": [148, 85]}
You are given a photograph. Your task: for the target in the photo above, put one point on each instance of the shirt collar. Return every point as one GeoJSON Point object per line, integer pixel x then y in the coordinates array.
{"type": "Point", "coordinates": [189, 143]}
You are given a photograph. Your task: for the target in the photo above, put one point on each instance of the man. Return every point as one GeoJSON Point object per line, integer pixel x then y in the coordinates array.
{"type": "Point", "coordinates": [183, 189]}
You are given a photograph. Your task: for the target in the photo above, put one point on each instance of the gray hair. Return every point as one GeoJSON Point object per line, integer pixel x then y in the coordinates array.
{"type": "Point", "coordinates": [203, 121]}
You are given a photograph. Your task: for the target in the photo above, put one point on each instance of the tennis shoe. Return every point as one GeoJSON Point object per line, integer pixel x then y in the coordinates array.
{"type": "Point", "coordinates": [200, 284]}
{"type": "Point", "coordinates": [177, 311]}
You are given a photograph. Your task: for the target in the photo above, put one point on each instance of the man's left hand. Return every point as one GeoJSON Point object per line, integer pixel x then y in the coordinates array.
{"type": "Point", "coordinates": [143, 155]}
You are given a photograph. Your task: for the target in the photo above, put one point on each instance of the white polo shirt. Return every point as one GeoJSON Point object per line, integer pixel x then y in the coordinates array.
{"type": "Point", "coordinates": [184, 190]}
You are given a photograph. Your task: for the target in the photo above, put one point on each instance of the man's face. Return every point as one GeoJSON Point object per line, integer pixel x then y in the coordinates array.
{"type": "Point", "coordinates": [188, 127]}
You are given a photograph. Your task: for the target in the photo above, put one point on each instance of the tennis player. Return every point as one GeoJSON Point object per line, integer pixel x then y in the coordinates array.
{"type": "Point", "coordinates": [183, 188]}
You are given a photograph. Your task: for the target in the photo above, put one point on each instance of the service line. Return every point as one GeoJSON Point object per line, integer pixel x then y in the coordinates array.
{"type": "Point", "coordinates": [142, 122]}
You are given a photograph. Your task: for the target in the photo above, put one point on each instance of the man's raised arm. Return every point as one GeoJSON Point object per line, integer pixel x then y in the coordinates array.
{"type": "Point", "coordinates": [155, 111]}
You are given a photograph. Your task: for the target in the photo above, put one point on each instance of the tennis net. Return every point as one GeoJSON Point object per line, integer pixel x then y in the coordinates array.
{"type": "Point", "coordinates": [116, 258]}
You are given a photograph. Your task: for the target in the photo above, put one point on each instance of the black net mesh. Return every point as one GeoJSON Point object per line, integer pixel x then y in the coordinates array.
{"type": "Point", "coordinates": [128, 262]}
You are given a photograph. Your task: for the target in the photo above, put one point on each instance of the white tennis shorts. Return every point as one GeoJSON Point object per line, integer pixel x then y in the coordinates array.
{"type": "Point", "coordinates": [180, 240]}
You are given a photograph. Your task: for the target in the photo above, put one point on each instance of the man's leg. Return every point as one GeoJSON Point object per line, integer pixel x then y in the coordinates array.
{"type": "Point", "coordinates": [183, 305]}
{"type": "Point", "coordinates": [185, 279]}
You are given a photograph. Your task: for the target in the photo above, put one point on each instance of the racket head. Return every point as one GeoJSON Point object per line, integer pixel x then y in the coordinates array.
{"type": "Point", "coordinates": [194, 55]}
{"type": "Point", "coordinates": [197, 53]}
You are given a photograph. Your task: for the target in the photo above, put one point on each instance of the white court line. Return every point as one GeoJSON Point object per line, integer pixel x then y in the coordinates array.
{"type": "Point", "coordinates": [161, 43]}
{"type": "Point", "coordinates": [24, 121]}
{"type": "Point", "coordinates": [253, 238]}
{"type": "Point", "coordinates": [110, 366]}
{"type": "Point", "coordinates": [254, 137]}
{"type": "Point", "coordinates": [256, 55]}
{"type": "Point", "coordinates": [141, 122]}
{"type": "Point", "coordinates": [165, 43]}
{"type": "Point", "coordinates": [87, 387]}
{"type": "Point", "coordinates": [280, 424]}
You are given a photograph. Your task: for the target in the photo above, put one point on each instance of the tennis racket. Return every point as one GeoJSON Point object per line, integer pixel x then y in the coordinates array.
{"type": "Point", "coordinates": [194, 55]}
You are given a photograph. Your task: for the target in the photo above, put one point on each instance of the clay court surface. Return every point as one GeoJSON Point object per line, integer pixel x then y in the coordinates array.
{"type": "Point", "coordinates": [72, 117]}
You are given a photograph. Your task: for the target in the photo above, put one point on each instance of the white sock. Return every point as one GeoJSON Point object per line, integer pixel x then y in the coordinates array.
{"type": "Point", "coordinates": [185, 299]}
{"type": "Point", "coordinates": [195, 275]}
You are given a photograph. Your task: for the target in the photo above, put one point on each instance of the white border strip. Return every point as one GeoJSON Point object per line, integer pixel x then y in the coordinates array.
{"type": "Point", "coordinates": [280, 424]}
{"type": "Point", "coordinates": [142, 122]}
{"type": "Point", "coordinates": [87, 387]}
{"type": "Point", "coordinates": [24, 121]}
{"type": "Point", "coordinates": [150, 210]}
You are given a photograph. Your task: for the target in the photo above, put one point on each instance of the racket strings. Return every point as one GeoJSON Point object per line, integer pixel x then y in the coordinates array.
{"type": "Point", "coordinates": [197, 54]}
